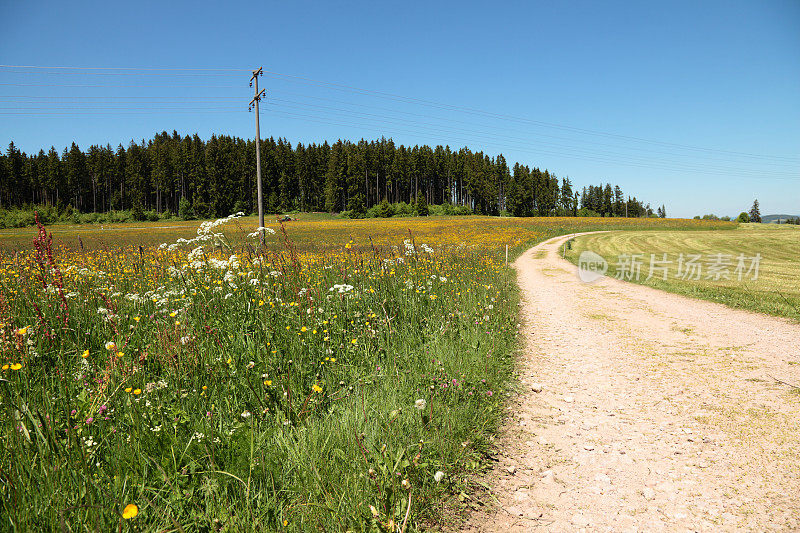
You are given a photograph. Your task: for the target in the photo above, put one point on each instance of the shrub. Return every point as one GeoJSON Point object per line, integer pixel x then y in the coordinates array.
{"type": "Point", "coordinates": [185, 211]}
{"type": "Point", "coordinates": [356, 206]}
{"type": "Point", "coordinates": [137, 212]}
{"type": "Point", "coordinates": [385, 209]}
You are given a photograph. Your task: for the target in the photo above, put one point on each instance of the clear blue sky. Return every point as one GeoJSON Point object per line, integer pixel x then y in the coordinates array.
{"type": "Point", "coordinates": [581, 88]}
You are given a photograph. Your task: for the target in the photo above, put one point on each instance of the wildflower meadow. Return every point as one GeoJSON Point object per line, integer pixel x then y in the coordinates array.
{"type": "Point", "coordinates": [341, 376]}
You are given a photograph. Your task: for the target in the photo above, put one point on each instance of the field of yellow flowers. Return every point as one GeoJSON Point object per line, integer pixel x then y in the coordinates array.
{"type": "Point", "coordinates": [344, 375]}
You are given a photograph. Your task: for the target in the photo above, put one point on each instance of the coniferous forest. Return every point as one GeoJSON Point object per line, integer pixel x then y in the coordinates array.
{"type": "Point", "coordinates": [189, 177]}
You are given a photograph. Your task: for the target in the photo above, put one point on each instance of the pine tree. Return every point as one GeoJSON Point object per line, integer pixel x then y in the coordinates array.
{"type": "Point", "coordinates": [196, 177]}
{"type": "Point", "coordinates": [421, 207]}
{"type": "Point", "coordinates": [755, 214]}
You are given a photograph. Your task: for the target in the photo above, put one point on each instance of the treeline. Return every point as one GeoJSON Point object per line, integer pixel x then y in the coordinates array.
{"type": "Point", "coordinates": [187, 175]}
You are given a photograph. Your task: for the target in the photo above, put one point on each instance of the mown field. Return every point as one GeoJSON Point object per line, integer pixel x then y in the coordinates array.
{"type": "Point", "coordinates": [716, 273]}
{"type": "Point", "coordinates": [345, 377]}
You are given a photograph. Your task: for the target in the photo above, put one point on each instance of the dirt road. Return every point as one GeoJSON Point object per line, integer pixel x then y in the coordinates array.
{"type": "Point", "coordinates": [656, 412]}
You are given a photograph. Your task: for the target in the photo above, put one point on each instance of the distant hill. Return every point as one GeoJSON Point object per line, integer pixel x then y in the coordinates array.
{"type": "Point", "coordinates": [773, 219]}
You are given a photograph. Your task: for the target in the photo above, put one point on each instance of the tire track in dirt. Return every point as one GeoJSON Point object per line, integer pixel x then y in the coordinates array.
{"type": "Point", "coordinates": [656, 412]}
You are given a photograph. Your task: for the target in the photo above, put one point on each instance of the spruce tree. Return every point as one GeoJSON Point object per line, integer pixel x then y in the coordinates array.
{"type": "Point", "coordinates": [755, 214]}
{"type": "Point", "coordinates": [421, 207]}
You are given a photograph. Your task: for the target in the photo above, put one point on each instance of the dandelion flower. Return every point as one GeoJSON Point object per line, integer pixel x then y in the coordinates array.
{"type": "Point", "coordinates": [316, 388]}
{"type": "Point", "coordinates": [137, 392]}
{"type": "Point", "coordinates": [128, 389]}
{"type": "Point", "coordinates": [130, 511]}
{"type": "Point", "coordinates": [85, 354]}
{"type": "Point", "coordinates": [16, 366]}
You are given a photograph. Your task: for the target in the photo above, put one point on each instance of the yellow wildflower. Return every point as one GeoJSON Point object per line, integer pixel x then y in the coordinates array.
{"type": "Point", "coordinates": [130, 511]}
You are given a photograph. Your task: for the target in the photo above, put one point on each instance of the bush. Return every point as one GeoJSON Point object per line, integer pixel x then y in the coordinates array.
{"type": "Point", "coordinates": [120, 216]}
{"type": "Point", "coordinates": [356, 206]}
{"type": "Point", "coordinates": [385, 209]}
{"type": "Point", "coordinates": [185, 211]}
{"type": "Point", "coordinates": [402, 208]}
{"type": "Point", "coordinates": [743, 217]}
{"type": "Point", "coordinates": [241, 207]}
{"type": "Point", "coordinates": [137, 212]}
{"type": "Point", "coordinates": [586, 212]}
{"type": "Point", "coordinates": [88, 218]}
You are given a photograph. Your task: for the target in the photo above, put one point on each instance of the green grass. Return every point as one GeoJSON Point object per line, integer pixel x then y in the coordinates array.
{"type": "Point", "coordinates": [776, 291]}
{"type": "Point", "coordinates": [268, 399]}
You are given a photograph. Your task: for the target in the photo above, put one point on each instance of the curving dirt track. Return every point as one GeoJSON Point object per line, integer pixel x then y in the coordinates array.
{"type": "Point", "coordinates": [656, 413]}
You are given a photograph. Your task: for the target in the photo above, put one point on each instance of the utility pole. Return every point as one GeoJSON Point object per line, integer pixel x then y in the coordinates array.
{"type": "Point", "coordinates": [254, 104]}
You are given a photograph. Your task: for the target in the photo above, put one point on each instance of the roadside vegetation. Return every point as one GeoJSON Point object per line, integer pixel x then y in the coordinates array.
{"type": "Point", "coordinates": [776, 290]}
{"type": "Point", "coordinates": [346, 376]}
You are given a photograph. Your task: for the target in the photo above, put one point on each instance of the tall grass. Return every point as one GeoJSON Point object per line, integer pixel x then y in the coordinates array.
{"type": "Point", "coordinates": [221, 389]}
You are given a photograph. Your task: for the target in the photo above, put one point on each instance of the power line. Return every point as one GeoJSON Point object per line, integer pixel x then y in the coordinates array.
{"type": "Point", "coordinates": [104, 86]}
{"type": "Point", "coordinates": [169, 74]}
{"type": "Point", "coordinates": [113, 113]}
{"type": "Point", "coordinates": [372, 116]}
{"type": "Point", "coordinates": [402, 98]}
{"type": "Point", "coordinates": [573, 150]}
{"type": "Point", "coordinates": [449, 120]}
{"type": "Point", "coordinates": [527, 149]}
{"type": "Point", "coordinates": [509, 117]}
{"type": "Point", "coordinates": [169, 69]}
{"type": "Point", "coordinates": [51, 97]}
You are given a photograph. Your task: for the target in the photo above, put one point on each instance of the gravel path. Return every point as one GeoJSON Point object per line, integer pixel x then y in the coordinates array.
{"type": "Point", "coordinates": [656, 412]}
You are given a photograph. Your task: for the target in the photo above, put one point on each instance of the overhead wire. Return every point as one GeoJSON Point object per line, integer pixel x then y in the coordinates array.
{"type": "Point", "coordinates": [397, 97]}
{"type": "Point", "coordinates": [440, 105]}
{"type": "Point", "coordinates": [571, 151]}
{"type": "Point", "coordinates": [371, 116]}
{"type": "Point", "coordinates": [523, 149]}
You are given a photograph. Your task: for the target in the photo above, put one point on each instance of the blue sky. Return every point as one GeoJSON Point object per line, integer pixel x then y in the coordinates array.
{"type": "Point", "coordinates": [691, 104]}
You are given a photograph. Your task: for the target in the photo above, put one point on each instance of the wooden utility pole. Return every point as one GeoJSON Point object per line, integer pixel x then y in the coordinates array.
{"type": "Point", "coordinates": [254, 105]}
